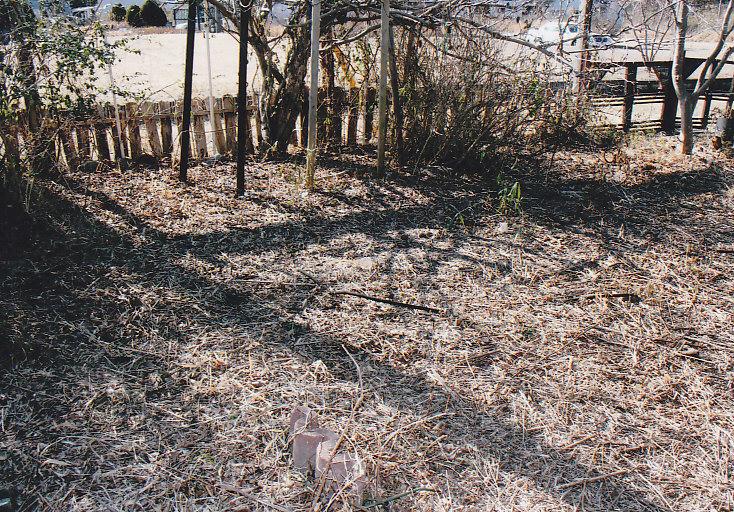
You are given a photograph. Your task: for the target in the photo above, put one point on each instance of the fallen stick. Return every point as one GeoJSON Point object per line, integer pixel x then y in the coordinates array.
{"type": "Point", "coordinates": [396, 497]}
{"type": "Point", "coordinates": [370, 297]}
{"type": "Point", "coordinates": [591, 480]}
{"type": "Point", "coordinates": [629, 297]}
{"type": "Point", "coordinates": [242, 492]}
{"type": "Point", "coordinates": [388, 301]}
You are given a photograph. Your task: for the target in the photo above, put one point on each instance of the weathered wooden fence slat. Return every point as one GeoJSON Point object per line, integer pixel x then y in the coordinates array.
{"type": "Point", "coordinates": [82, 140]}
{"type": "Point", "coordinates": [198, 112]}
{"type": "Point", "coordinates": [230, 123]}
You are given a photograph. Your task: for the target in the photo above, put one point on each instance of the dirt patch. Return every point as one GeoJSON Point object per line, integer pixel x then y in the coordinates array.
{"type": "Point", "coordinates": [581, 358]}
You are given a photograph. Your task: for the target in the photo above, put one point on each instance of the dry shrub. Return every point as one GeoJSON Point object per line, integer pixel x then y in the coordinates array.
{"type": "Point", "coordinates": [470, 104]}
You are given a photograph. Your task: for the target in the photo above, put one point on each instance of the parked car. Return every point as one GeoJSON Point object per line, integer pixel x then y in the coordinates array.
{"type": "Point", "coordinates": [552, 32]}
{"type": "Point", "coordinates": [600, 41]}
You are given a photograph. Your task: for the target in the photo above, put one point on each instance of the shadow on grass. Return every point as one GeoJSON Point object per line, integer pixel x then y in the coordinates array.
{"type": "Point", "coordinates": [47, 293]}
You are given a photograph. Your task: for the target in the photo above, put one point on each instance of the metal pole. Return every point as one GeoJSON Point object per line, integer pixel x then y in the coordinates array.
{"type": "Point", "coordinates": [313, 93]}
{"type": "Point", "coordinates": [188, 83]}
{"type": "Point", "coordinates": [242, 128]}
{"type": "Point", "coordinates": [384, 63]}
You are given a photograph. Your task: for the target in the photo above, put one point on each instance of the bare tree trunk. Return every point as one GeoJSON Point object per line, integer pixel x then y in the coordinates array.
{"type": "Point", "coordinates": [585, 20]}
{"type": "Point", "coordinates": [328, 83]}
{"type": "Point", "coordinates": [686, 105]}
{"type": "Point", "coordinates": [384, 55]}
{"type": "Point", "coordinates": [283, 105]}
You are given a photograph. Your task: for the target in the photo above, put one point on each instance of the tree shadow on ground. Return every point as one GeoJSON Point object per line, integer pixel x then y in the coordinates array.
{"type": "Point", "coordinates": [88, 253]}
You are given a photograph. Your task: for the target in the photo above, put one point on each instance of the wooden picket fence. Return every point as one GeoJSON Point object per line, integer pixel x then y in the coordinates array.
{"type": "Point", "coordinates": [345, 118]}
{"type": "Point", "coordinates": [154, 127]}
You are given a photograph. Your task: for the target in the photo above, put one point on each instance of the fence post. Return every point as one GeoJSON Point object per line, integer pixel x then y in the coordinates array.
{"type": "Point", "coordinates": [630, 88]}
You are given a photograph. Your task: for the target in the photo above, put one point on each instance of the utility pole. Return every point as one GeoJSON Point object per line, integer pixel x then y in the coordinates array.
{"type": "Point", "coordinates": [185, 133]}
{"type": "Point", "coordinates": [242, 124]}
{"type": "Point", "coordinates": [384, 63]}
{"type": "Point", "coordinates": [313, 93]}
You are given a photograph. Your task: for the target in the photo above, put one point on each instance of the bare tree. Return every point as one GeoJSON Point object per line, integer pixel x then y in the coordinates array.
{"type": "Point", "coordinates": [651, 22]}
{"type": "Point", "coordinates": [719, 54]}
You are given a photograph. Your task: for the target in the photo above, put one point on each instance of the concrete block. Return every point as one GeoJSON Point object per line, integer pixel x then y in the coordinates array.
{"type": "Point", "coordinates": [302, 418]}
{"type": "Point", "coordinates": [305, 446]}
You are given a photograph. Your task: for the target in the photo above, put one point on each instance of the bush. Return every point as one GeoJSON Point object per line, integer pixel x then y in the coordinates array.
{"type": "Point", "coordinates": [466, 112]}
{"type": "Point", "coordinates": [132, 16]}
{"type": "Point", "coordinates": [117, 13]}
{"type": "Point", "coordinates": [152, 15]}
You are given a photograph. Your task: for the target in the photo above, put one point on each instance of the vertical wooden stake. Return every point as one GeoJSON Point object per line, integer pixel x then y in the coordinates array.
{"type": "Point", "coordinates": [242, 120]}
{"type": "Point", "coordinates": [313, 93]}
{"type": "Point", "coordinates": [216, 125]}
{"type": "Point", "coordinates": [188, 79]}
{"type": "Point", "coordinates": [384, 57]}
{"type": "Point", "coordinates": [397, 106]}
{"type": "Point", "coordinates": [118, 124]}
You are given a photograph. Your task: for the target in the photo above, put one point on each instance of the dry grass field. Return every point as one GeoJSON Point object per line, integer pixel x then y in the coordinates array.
{"type": "Point", "coordinates": [154, 66]}
{"type": "Point", "coordinates": [581, 356]}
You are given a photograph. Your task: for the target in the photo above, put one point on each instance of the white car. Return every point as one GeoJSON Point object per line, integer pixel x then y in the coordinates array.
{"type": "Point", "coordinates": [552, 32]}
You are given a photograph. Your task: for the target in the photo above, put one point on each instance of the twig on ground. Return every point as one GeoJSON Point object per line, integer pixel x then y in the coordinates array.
{"type": "Point", "coordinates": [242, 492]}
{"type": "Point", "coordinates": [389, 301]}
{"type": "Point", "coordinates": [591, 480]}
{"type": "Point", "coordinates": [396, 497]}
